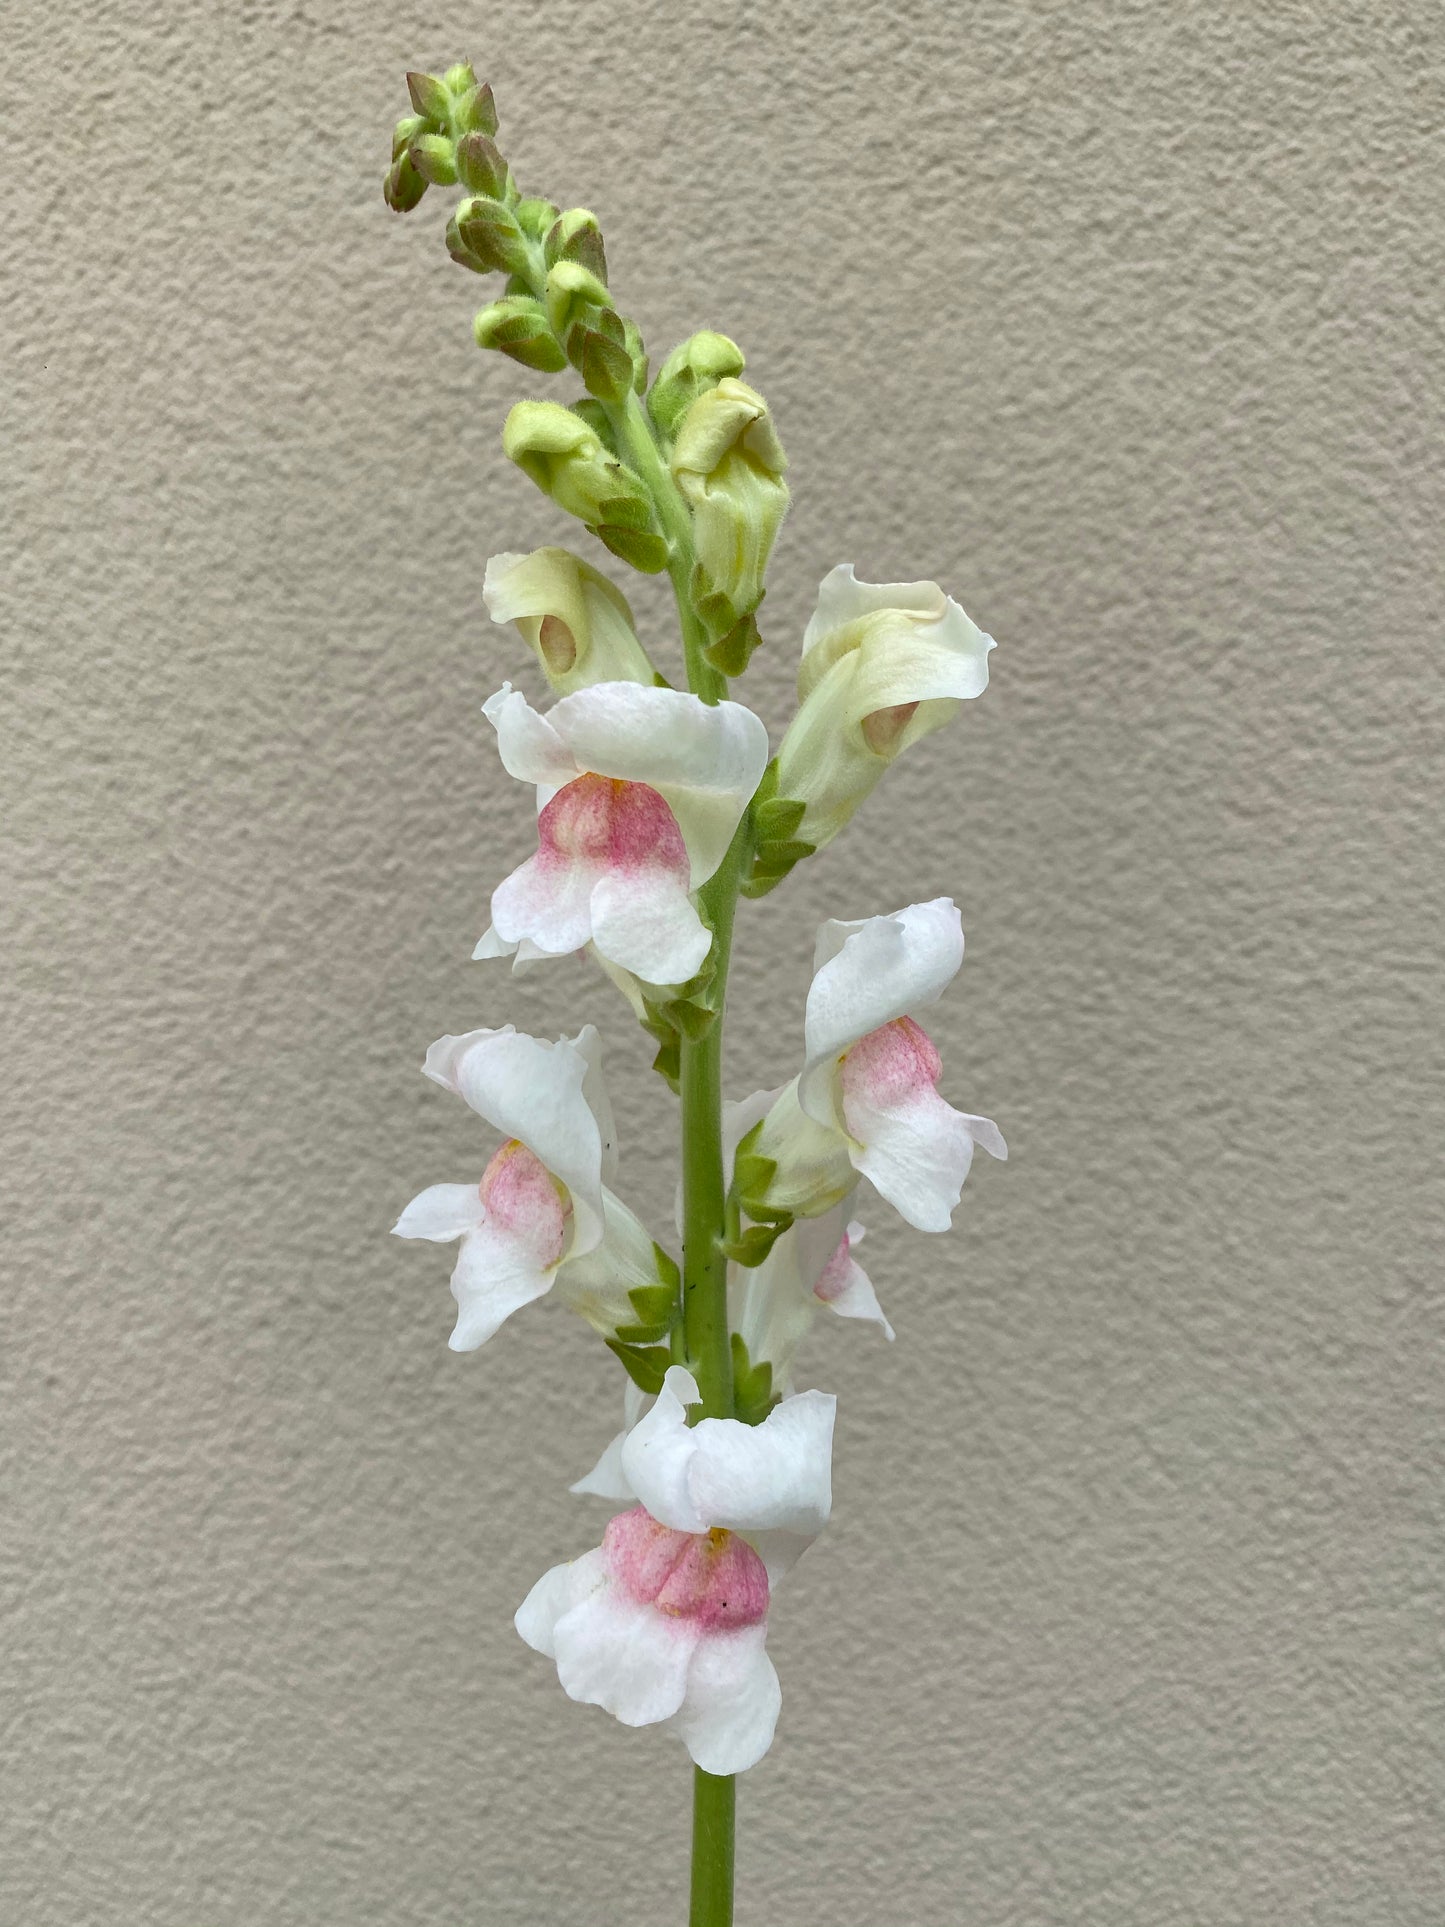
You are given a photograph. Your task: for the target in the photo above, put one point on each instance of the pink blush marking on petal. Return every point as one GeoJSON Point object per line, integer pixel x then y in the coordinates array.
{"type": "Point", "coordinates": [615, 825]}
{"type": "Point", "coordinates": [883, 727]}
{"type": "Point", "coordinates": [836, 1273]}
{"type": "Point", "coordinates": [891, 1065]}
{"type": "Point", "coordinates": [520, 1195]}
{"type": "Point", "coordinates": [713, 1580]}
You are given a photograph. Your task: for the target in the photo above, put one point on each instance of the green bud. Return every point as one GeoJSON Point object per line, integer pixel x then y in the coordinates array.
{"type": "Point", "coordinates": [434, 158]}
{"type": "Point", "coordinates": [489, 232]}
{"type": "Point", "coordinates": [728, 463]}
{"type": "Point", "coordinates": [429, 97]}
{"type": "Point", "coordinates": [596, 417]}
{"type": "Point", "coordinates": [566, 458]}
{"type": "Point", "coordinates": [475, 112]}
{"type": "Point", "coordinates": [407, 129]}
{"type": "Point", "coordinates": [536, 216]}
{"type": "Point", "coordinates": [575, 236]}
{"type": "Point", "coordinates": [577, 622]}
{"type": "Point", "coordinates": [403, 186]}
{"type": "Point", "coordinates": [690, 370]}
{"type": "Point", "coordinates": [574, 294]}
{"type": "Point", "coordinates": [480, 168]}
{"type": "Point", "coordinates": [517, 326]}
{"type": "Point", "coordinates": [460, 79]}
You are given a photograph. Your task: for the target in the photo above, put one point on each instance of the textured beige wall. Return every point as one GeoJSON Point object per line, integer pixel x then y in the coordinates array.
{"type": "Point", "coordinates": [1122, 321]}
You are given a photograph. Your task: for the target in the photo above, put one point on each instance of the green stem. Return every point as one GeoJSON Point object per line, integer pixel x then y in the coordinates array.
{"type": "Point", "coordinates": [713, 1807]}
{"type": "Point", "coordinates": [707, 1341]}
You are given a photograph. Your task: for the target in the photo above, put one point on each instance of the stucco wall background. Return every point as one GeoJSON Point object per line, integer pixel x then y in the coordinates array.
{"type": "Point", "coordinates": [1121, 321]}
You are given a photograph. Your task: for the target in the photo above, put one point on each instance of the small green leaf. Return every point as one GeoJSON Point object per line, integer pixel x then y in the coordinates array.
{"type": "Point", "coordinates": [644, 1366]}
{"type": "Point", "coordinates": [777, 818]}
{"type": "Point", "coordinates": [667, 1271]}
{"type": "Point", "coordinates": [644, 550]}
{"type": "Point", "coordinates": [654, 1303]}
{"type": "Point", "coordinates": [755, 1244]}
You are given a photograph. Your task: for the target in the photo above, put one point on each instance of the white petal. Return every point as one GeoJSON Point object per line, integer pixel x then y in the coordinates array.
{"type": "Point", "coordinates": [441, 1212]}
{"type": "Point", "coordinates": [535, 1092]}
{"type": "Point", "coordinates": [883, 969]}
{"type": "Point", "coordinates": [986, 1135]}
{"type": "Point", "coordinates": [720, 1472]}
{"type": "Point", "coordinates": [643, 921]}
{"type": "Point", "coordinates": [489, 944]}
{"type": "Point", "coordinates": [916, 1153]}
{"type": "Point", "coordinates": [778, 1305]}
{"type": "Point", "coordinates": [842, 599]}
{"type": "Point", "coordinates": [852, 1294]}
{"type": "Point", "coordinates": [530, 747]}
{"type": "Point", "coordinates": [588, 1042]}
{"type": "Point", "coordinates": [496, 1274]}
{"type": "Point", "coordinates": [625, 1657]}
{"type": "Point", "coordinates": [555, 1594]}
{"type": "Point", "coordinates": [546, 903]}
{"type": "Point", "coordinates": [598, 1283]}
{"type": "Point", "coordinates": [739, 1118]}
{"type": "Point", "coordinates": [704, 759]}
{"type": "Point", "coordinates": [730, 1710]}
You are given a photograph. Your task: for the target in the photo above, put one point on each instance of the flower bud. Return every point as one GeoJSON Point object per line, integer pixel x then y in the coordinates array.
{"type": "Point", "coordinates": [488, 231]}
{"type": "Point", "coordinates": [460, 79]}
{"type": "Point", "coordinates": [883, 664]}
{"type": "Point", "coordinates": [576, 621]}
{"type": "Point", "coordinates": [406, 131]}
{"type": "Point", "coordinates": [575, 236]}
{"type": "Point", "coordinates": [480, 168]}
{"type": "Point", "coordinates": [517, 327]}
{"type": "Point", "coordinates": [434, 158]}
{"type": "Point", "coordinates": [430, 98]}
{"type": "Point", "coordinates": [535, 216]}
{"type": "Point", "coordinates": [566, 458]}
{"type": "Point", "coordinates": [729, 464]}
{"type": "Point", "coordinates": [695, 365]}
{"type": "Point", "coordinates": [403, 186]}
{"type": "Point", "coordinates": [574, 295]}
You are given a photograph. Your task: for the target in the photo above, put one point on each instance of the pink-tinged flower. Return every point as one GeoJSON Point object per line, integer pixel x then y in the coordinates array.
{"type": "Point", "coordinates": [639, 791]}
{"type": "Point", "coordinates": [867, 1102]}
{"type": "Point", "coordinates": [666, 1621]}
{"type": "Point", "coordinates": [883, 664]}
{"type": "Point", "coordinates": [812, 1265]}
{"type": "Point", "coordinates": [542, 1217]}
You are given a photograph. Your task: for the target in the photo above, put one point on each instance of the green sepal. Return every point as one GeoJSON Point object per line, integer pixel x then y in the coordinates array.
{"type": "Point", "coordinates": [488, 230]}
{"type": "Point", "coordinates": [751, 1177]}
{"type": "Point", "coordinates": [731, 653]}
{"type": "Point", "coordinates": [775, 820]}
{"type": "Point", "coordinates": [692, 1019]}
{"type": "Point", "coordinates": [668, 1271]}
{"type": "Point", "coordinates": [644, 550]}
{"type": "Point", "coordinates": [517, 326]}
{"type": "Point", "coordinates": [651, 1334]}
{"type": "Point", "coordinates": [429, 97]}
{"type": "Point", "coordinates": [716, 613]}
{"type": "Point", "coordinates": [605, 366]}
{"type": "Point", "coordinates": [575, 236]}
{"type": "Point", "coordinates": [407, 129]}
{"type": "Point", "coordinates": [475, 111]}
{"type": "Point", "coordinates": [780, 856]}
{"type": "Point", "coordinates": [756, 1242]}
{"type": "Point", "coordinates": [480, 168]}
{"type": "Point", "coordinates": [535, 215]}
{"type": "Point", "coordinates": [753, 1394]}
{"type": "Point", "coordinates": [668, 1064]}
{"type": "Point", "coordinates": [645, 1365]}
{"type": "Point", "coordinates": [598, 420]}
{"type": "Point", "coordinates": [754, 887]}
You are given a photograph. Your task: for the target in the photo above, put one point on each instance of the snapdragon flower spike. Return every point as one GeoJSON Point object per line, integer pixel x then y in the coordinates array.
{"type": "Point", "coordinates": [666, 1621]}
{"type": "Point", "coordinates": [577, 623]}
{"type": "Point", "coordinates": [542, 1217]}
{"type": "Point", "coordinates": [812, 1265]}
{"type": "Point", "coordinates": [639, 791]}
{"type": "Point", "coordinates": [866, 1103]}
{"type": "Point", "coordinates": [883, 664]}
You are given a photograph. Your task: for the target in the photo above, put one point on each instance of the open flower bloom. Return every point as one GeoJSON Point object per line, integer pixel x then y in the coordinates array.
{"type": "Point", "coordinates": [810, 1266]}
{"type": "Point", "coordinates": [866, 1102]}
{"type": "Point", "coordinates": [883, 664]}
{"type": "Point", "coordinates": [542, 1217]}
{"type": "Point", "coordinates": [666, 1621]}
{"type": "Point", "coordinates": [578, 624]}
{"type": "Point", "coordinates": [639, 791]}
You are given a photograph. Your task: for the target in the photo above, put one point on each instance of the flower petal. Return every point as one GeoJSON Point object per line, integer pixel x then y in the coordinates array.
{"type": "Point", "coordinates": [555, 1594]}
{"type": "Point", "coordinates": [597, 1284]}
{"type": "Point", "coordinates": [643, 921]}
{"type": "Point", "coordinates": [845, 1287]}
{"type": "Point", "coordinates": [720, 1472]}
{"type": "Point", "coordinates": [576, 620]}
{"type": "Point", "coordinates": [881, 969]}
{"type": "Point", "coordinates": [730, 1709]}
{"type": "Point", "coordinates": [546, 903]}
{"type": "Point", "coordinates": [704, 759]}
{"type": "Point", "coordinates": [496, 1273]}
{"type": "Point", "coordinates": [530, 747]}
{"type": "Point", "coordinates": [624, 1656]}
{"type": "Point", "coordinates": [441, 1212]}
{"type": "Point", "coordinates": [916, 1153]}
{"type": "Point", "coordinates": [535, 1092]}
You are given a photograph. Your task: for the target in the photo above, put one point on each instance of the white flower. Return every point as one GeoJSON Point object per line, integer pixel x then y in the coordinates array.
{"type": "Point", "coordinates": [867, 1100]}
{"type": "Point", "coordinates": [542, 1216]}
{"type": "Point", "coordinates": [577, 622]}
{"type": "Point", "coordinates": [639, 791]}
{"type": "Point", "coordinates": [666, 1621]}
{"type": "Point", "coordinates": [883, 664]}
{"type": "Point", "coordinates": [811, 1265]}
